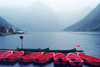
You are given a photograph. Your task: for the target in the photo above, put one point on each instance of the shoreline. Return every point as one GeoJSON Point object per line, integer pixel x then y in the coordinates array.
{"type": "Point", "coordinates": [4, 34]}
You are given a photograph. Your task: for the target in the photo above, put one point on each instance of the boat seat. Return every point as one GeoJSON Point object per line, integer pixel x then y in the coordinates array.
{"type": "Point", "coordinates": [73, 59]}
{"type": "Point", "coordinates": [59, 59]}
{"type": "Point", "coordinates": [4, 55]}
{"type": "Point", "coordinates": [37, 60]}
{"type": "Point", "coordinates": [16, 56]}
{"type": "Point", "coordinates": [46, 57]}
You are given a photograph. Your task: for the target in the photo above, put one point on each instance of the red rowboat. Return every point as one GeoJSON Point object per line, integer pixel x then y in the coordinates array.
{"type": "Point", "coordinates": [5, 54]}
{"type": "Point", "coordinates": [89, 59]}
{"type": "Point", "coordinates": [29, 58]}
{"type": "Point", "coordinates": [44, 58]}
{"type": "Point", "coordinates": [13, 57]}
{"type": "Point", "coordinates": [74, 60]}
{"type": "Point", "coordinates": [60, 58]}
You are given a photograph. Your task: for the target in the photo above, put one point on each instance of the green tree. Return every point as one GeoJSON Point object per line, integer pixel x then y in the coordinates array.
{"type": "Point", "coordinates": [2, 29]}
{"type": "Point", "coordinates": [11, 30]}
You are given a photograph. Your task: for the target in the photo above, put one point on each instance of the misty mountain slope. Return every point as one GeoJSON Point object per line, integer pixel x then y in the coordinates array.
{"type": "Point", "coordinates": [39, 17]}
{"type": "Point", "coordinates": [4, 23]}
{"type": "Point", "coordinates": [89, 23]}
{"type": "Point", "coordinates": [36, 17]}
{"type": "Point", "coordinates": [70, 17]}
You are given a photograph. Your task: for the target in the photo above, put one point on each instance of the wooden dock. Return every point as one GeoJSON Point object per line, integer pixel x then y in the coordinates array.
{"type": "Point", "coordinates": [30, 52]}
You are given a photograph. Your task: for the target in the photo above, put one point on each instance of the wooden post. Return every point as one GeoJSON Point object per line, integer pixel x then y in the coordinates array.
{"type": "Point", "coordinates": [21, 37]}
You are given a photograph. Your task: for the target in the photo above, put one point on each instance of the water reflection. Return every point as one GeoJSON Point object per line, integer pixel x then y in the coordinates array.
{"type": "Point", "coordinates": [31, 64]}
{"type": "Point", "coordinates": [7, 64]}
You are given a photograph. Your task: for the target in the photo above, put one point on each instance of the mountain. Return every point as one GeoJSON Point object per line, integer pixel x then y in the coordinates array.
{"type": "Point", "coordinates": [67, 16]}
{"type": "Point", "coordinates": [4, 23]}
{"type": "Point", "coordinates": [36, 17]}
{"type": "Point", "coordinates": [39, 17]}
{"type": "Point", "coordinates": [91, 22]}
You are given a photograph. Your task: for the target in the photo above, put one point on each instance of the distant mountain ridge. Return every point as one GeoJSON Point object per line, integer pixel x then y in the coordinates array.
{"type": "Point", "coordinates": [4, 23]}
{"type": "Point", "coordinates": [91, 22]}
{"type": "Point", "coordinates": [36, 17]}
{"type": "Point", "coordinates": [40, 17]}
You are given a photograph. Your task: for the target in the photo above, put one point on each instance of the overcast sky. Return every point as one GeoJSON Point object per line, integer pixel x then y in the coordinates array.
{"type": "Point", "coordinates": [54, 4]}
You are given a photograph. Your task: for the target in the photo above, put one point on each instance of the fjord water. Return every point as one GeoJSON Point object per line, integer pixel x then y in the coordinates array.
{"type": "Point", "coordinates": [88, 41]}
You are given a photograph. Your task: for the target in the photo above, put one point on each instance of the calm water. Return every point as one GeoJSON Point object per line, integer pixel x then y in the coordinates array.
{"type": "Point", "coordinates": [89, 42]}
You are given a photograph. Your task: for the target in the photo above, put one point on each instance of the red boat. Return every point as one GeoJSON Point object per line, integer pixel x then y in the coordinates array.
{"type": "Point", "coordinates": [60, 58]}
{"type": "Point", "coordinates": [13, 57]}
{"type": "Point", "coordinates": [44, 58]}
{"type": "Point", "coordinates": [74, 60]}
{"type": "Point", "coordinates": [5, 54]}
{"type": "Point", "coordinates": [89, 59]}
{"type": "Point", "coordinates": [29, 58]}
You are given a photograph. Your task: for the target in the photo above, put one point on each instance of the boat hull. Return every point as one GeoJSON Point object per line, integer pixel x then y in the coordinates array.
{"type": "Point", "coordinates": [5, 54]}
{"type": "Point", "coordinates": [13, 57]}
{"type": "Point", "coordinates": [29, 58]}
{"type": "Point", "coordinates": [74, 60]}
{"type": "Point", "coordinates": [60, 59]}
{"type": "Point", "coordinates": [44, 58]}
{"type": "Point", "coordinates": [89, 59]}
